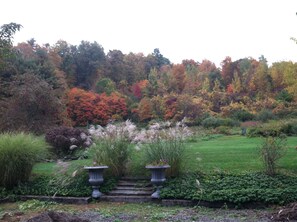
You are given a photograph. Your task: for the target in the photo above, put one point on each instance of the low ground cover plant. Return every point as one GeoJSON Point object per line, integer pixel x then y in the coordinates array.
{"type": "Point", "coordinates": [49, 185]}
{"type": "Point", "coordinates": [232, 188]}
{"type": "Point", "coordinates": [18, 153]}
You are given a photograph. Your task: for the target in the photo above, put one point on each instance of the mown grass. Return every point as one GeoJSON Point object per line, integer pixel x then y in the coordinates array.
{"type": "Point", "coordinates": [233, 154]}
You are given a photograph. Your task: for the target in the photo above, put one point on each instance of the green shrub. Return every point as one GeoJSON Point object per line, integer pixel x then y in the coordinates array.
{"type": "Point", "coordinates": [242, 115]}
{"type": "Point", "coordinates": [271, 150]}
{"type": "Point", "coordinates": [273, 128]}
{"type": "Point", "coordinates": [266, 115]}
{"type": "Point", "coordinates": [225, 130]}
{"type": "Point", "coordinates": [18, 153]}
{"type": "Point", "coordinates": [284, 96]}
{"type": "Point", "coordinates": [213, 122]}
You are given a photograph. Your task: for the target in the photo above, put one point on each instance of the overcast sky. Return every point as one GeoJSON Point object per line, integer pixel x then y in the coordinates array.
{"type": "Point", "coordinates": [181, 29]}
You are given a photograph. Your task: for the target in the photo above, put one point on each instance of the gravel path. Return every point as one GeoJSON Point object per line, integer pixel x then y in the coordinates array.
{"type": "Point", "coordinates": [185, 215]}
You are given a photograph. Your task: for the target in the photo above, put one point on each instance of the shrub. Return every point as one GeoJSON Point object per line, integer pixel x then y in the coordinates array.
{"type": "Point", "coordinates": [65, 140]}
{"type": "Point", "coordinates": [271, 150]}
{"type": "Point", "coordinates": [223, 130]}
{"type": "Point", "coordinates": [274, 129]}
{"type": "Point", "coordinates": [213, 122]}
{"type": "Point", "coordinates": [265, 115]}
{"type": "Point", "coordinates": [284, 96]}
{"type": "Point", "coordinates": [242, 115]}
{"type": "Point", "coordinates": [18, 153]}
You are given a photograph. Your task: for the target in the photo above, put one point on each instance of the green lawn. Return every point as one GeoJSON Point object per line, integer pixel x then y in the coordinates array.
{"type": "Point", "coordinates": [236, 154]}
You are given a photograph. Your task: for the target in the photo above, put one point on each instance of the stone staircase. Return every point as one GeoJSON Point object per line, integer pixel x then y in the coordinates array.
{"type": "Point", "coordinates": [132, 190]}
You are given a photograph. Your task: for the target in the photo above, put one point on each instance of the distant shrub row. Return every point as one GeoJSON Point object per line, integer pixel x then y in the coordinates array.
{"type": "Point", "coordinates": [274, 128]}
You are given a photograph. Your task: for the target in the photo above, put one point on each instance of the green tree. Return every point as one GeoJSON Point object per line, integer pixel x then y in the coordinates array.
{"type": "Point", "coordinates": [105, 85]}
{"type": "Point", "coordinates": [7, 55]}
{"type": "Point", "coordinates": [88, 59]}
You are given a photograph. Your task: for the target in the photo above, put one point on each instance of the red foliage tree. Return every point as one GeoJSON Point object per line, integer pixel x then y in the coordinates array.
{"type": "Point", "coordinates": [138, 88]}
{"type": "Point", "coordinates": [87, 107]}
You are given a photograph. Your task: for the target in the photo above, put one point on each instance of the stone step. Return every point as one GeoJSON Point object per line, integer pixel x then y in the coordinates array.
{"type": "Point", "coordinates": [134, 188]}
{"type": "Point", "coordinates": [133, 184]}
{"type": "Point", "coordinates": [129, 193]}
{"type": "Point", "coordinates": [127, 178]}
{"type": "Point", "coordinates": [127, 199]}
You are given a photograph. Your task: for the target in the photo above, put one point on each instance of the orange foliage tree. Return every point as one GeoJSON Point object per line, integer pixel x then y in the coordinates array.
{"type": "Point", "coordinates": [87, 107]}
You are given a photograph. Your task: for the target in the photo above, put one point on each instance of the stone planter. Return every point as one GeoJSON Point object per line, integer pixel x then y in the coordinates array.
{"type": "Point", "coordinates": [96, 179]}
{"type": "Point", "coordinates": [158, 178]}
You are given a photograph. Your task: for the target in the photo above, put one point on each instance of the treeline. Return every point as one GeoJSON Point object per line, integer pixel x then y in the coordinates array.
{"type": "Point", "coordinates": [42, 86]}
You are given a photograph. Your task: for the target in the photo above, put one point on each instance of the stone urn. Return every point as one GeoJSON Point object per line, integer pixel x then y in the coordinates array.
{"type": "Point", "coordinates": [158, 177]}
{"type": "Point", "coordinates": [96, 179]}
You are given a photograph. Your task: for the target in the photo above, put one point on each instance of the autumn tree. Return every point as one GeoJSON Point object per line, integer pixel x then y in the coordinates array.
{"type": "Point", "coordinates": [290, 78]}
{"type": "Point", "coordinates": [178, 80]}
{"type": "Point", "coordinates": [261, 81]}
{"type": "Point", "coordinates": [32, 107]}
{"type": "Point", "coordinates": [91, 108]}
{"type": "Point", "coordinates": [145, 110]}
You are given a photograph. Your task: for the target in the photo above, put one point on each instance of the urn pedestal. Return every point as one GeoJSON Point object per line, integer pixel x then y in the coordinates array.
{"type": "Point", "coordinates": [158, 178]}
{"type": "Point", "coordinates": [96, 179]}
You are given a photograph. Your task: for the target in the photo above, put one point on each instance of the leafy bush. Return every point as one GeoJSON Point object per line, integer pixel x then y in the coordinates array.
{"type": "Point", "coordinates": [229, 188]}
{"type": "Point", "coordinates": [18, 153]}
{"type": "Point", "coordinates": [242, 115]}
{"type": "Point", "coordinates": [288, 127]}
{"type": "Point", "coordinates": [213, 122]}
{"type": "Point", "coordinates": [65, 140]}
{"type": "Point", "coordinates": [223, 130]}
{"type": "Point", "coordinates": [265, 115]}
{"type": "Point", "coordinates": [271, 150]}
{"type": "Point", "coordinates": [284, 96]}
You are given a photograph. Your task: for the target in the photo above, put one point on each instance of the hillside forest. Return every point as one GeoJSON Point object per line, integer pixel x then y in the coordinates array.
{"type": "Point", "coordinates": [42, 86]}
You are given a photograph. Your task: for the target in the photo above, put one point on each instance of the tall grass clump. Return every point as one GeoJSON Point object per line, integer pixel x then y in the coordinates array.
{"type": "Point", "coordinates": [166, 146]}
{"type": "Point", "coordinates": [18, 153]}
{"type": "Point", "coordinates": [112, 146]}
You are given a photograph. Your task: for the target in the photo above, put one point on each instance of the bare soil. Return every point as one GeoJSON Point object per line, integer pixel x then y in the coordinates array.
{"type": "Point", "coordinates": [116, 212]}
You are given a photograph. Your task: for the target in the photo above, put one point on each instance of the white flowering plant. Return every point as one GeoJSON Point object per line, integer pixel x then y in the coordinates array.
{"type": "Point", "coordinates": [112, 145]}
{"type": "Point", "coordinates": [166, 145]}
{"type": "Point", "coordinates": [162, 143]}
